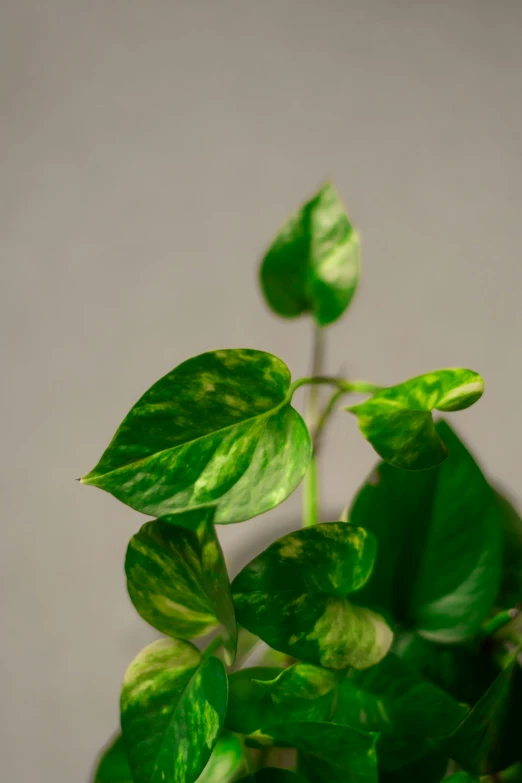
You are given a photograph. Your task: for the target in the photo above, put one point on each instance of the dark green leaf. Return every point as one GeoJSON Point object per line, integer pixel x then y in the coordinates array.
{"type": "Point", "coordinates": [226, 762]}
{"type": "Point", "coordinates": [113, 766]}
{"type": "Point", "coordinates": [293, 596]}
{"type": "Point", "coordinates": [430, 768]}
{"type": "Point", "coordinates": [511, 775]}
{"type": "Point", "coordinates": [462, 777]}
{"type": "Point", "coordinates": [274, 775]}
{"type": "Point", "coordinates": [439, 548]}
{"type": "Point", "coordinates": [173, 705]}
{"type": "Point", "coordinates": [330, 753]}
{"type": "Point", "coordinates": [177, 578]}
{"type": "Point", "coordinates": [398, 420]}
{"type": "Point", "coordinates": [489, 739]}
{"type": "Point", "coordinates": [263, 695]}
{"type": "Point", "coordinates": [312, 266]}
{"type": "Point", "coordinates": [511, 588]}
{"type": "Point", "coordinates": [218, 428]}
{"type": "Point", "coordinates": [395, 700]}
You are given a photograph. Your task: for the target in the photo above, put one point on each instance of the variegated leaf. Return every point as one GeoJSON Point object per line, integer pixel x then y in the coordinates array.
{"type": "Point", "coordinates": [398, 420]}
{"type": "Point", "coordinates": [330, 753]}
{"type": "Point", "coordinates": [226, 763]}
{"type": "Point", "coordinates": [177, 578]}
{"type": "Point", "coordinates": [218, 428]}
{"type": "Point", "coordinates": [173, 705]}
{"type": "Point", "coordinates": [294, 597]}
{"type": "Point", "coordinates": [313, 264]}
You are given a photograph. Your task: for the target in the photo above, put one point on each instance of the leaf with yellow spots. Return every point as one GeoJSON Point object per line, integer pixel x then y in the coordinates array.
{"type": "Point", "coordinates": [329, 752]}
{"type": "Point", "coordinates": [294, 597]}
{"type": "Point", "coordinates": [398, 420]}
{"type": "Point", "coordinates": [173, 704]}
{"type": "Point", "coordinates": [218, 429]}
{"type": "Point", "coordinates": [177, 578]}
{"type": "Point", "coordinates": [113, 766]}
{"type": "Point", "coordinates": [226, 762]}
{"type": "Point", "coordinates": [313, 264]}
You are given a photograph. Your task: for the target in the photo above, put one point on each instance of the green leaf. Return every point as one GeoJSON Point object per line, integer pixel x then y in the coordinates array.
{"type": "Point", "coordinates": [293, 596]}
{"type": "Point", "coordinates": [173, 705]}
{"type": "Point", "coordinates": [511, 588]}
{"type": "Point", "coordinates": [431, 768]}
{"type": "Point", "coordinates": [489, 738]}
{"type": "Point", "coordinates": [398, 420]}
{"type": "Point", "coordinates": [511, 775]}
{"type": "Point", "coordinates": [313, 264]}
{"type": "Point", "coordinates": [217, 429]}
{"type": "Point", "coordinates": [439, 548]}
{"type": "Point", "coordinates": [331, 753]}
{"type": "Point", "coordinates": [113, 766]}
{"type": "Point", "coordinates": [393, 699]}
{"type": "Point", "coordinates": [263, 695]}
{"type": "Point", "coordinates": [462, 777]}
{"type": "Point", "coordinates": [177, 578]}
{"type": "Point", "coordinates": [274, 775]}
{"type": "Point", "coordinates": [226, 761]}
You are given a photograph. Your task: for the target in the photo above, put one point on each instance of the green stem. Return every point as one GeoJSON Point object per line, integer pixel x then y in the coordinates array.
{"type": "Point", "coordinates": [311, 488]}
{"type": "Point", "coordinates": [363, 387]}
{"type": "Point", "coordinates": [212, 647]}
{"type": "Point", "coordinates": [499, 621]}
{"type": "Point", "coordinates": [327, 412]}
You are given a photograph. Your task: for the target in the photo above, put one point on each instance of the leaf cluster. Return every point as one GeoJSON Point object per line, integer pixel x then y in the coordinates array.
{"type": "Point", "coordinates": [380, 647]}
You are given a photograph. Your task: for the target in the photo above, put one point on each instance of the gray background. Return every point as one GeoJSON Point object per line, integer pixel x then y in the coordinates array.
{"type": "Point", "coordinates": [149, 150]}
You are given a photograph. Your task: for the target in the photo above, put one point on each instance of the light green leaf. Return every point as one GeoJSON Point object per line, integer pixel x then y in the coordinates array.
{"type": "Point", "coordinates": [293, 596]}
{"type": "Point", "coordinates": [313, 264]}
{"type": "Point", "coordinates": [398, 420]}
{"type": "Point", "coordinates": [173, 705]}
{"type": "Point", "coordinates": [226, 763]}
{"type": "Point", "coordinates": [331, 753]}
{"type": "Point", "coordinates": [177, 578]}
{"type": "Point", "coordinates": [489, 738]}
{"type": "Point", "coordinates": [439, 548]}
{"type": "Point", "coordinates": [217, 429]}
{"type": "Point", "coordinates": [405, 708]}
{"type": "Point", "coordinates": [263, 695]}
{"type": "Point", "coordinates": [113, 766]}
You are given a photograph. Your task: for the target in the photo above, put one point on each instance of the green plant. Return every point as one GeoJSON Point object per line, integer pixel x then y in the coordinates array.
{"type": "Point", "coordinates": [380, 647]}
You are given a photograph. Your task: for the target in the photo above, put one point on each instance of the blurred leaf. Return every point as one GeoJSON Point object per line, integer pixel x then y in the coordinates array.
{"type": "Point", "coordinates": [293, 596]}
{"type": "Point", "coordinates": [330, 753]}
{"type": "Point", "coordinates": [216, 428]}
{"type": "Point", "coordinates": [462, 777]}
{"type": "Point", "coordinates": [489, 739]}
{"type": "Point", "coordinates": [113, 766]}
{"type": "Point", "coordinates": [313, 264]}
{"type": "Point", "coordinates": [393, 699]}
{"type": "Point", "coordinates": [226, 762]}
{"type": "Point", "coordinates": [430, 768]}
{"type": "Point", "coordinates": [273, 775]}
{"type": "Point", "coordinates": [173, 704]}
{"type": "Point", "coordinates": [439, 548]}
{"type": "Point", "coordinates": [260, 696]}
{"type": "Point", "coordinates": [177, 578]}
{"type": "Point", "coordinates": [398, 420]}
{"type": "Point", "coordinates": [510, 593]}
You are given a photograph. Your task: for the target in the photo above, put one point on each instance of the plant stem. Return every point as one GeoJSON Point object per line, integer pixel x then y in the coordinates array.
{"type": "Point", "coordinates": [311, 489]}
{"type": "Point", "coordinates": [363, 387]}
{"type": "Point", "coordinates": [212, 647]}
{"type": "Point", "coordinates": [499, 621]}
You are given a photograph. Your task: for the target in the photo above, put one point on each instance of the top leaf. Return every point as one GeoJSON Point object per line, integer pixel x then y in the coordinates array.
{"type": "Point", "coordinates": [217, 429]}
{"type": "Point", "coordinates": [313, 263]}
{"type": "Point", "coordinates": [398, 421]}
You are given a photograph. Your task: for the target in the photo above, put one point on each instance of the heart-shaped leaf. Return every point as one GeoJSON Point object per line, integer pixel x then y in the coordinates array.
{"type": "Point", "coordinates": [330, 753]}
{"type": "Point", "coordinates": [439, 547]}
{"type": "Point", "coordinates": [313, 264]}
{"type": "Point", "coordinates": [398, 420]}
{"type": "Point", "coordinates": [263, 695]}
{"type": "Point", "coordinates": [489, 738]}
{"type": "Point", "coordinates": [113, 766]}
{"type": "Point", "coordinates": [226, 761]}
{"type": "Point", "coordinates": [173, 705]}
{"type": "Point", "coordinates": [217, 428]}
{"type": "Point", "coordinates": [406, 709]}
{"type": "Point", "coordinates": [293, 596]}
{"type": "Point", "coordinates": [177, 578]}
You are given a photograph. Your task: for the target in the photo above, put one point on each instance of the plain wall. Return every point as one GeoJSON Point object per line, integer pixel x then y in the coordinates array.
{"type": "Point", "coordinates": [148, 152]}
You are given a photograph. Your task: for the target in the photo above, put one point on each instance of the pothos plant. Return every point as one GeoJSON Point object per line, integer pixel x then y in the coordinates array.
{"type": "Point", "coordinates": [383, 646]}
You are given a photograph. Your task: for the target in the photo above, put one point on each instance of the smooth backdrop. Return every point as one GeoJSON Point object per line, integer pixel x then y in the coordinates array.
{"type": "Point", "coordinates": [148, 151]}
